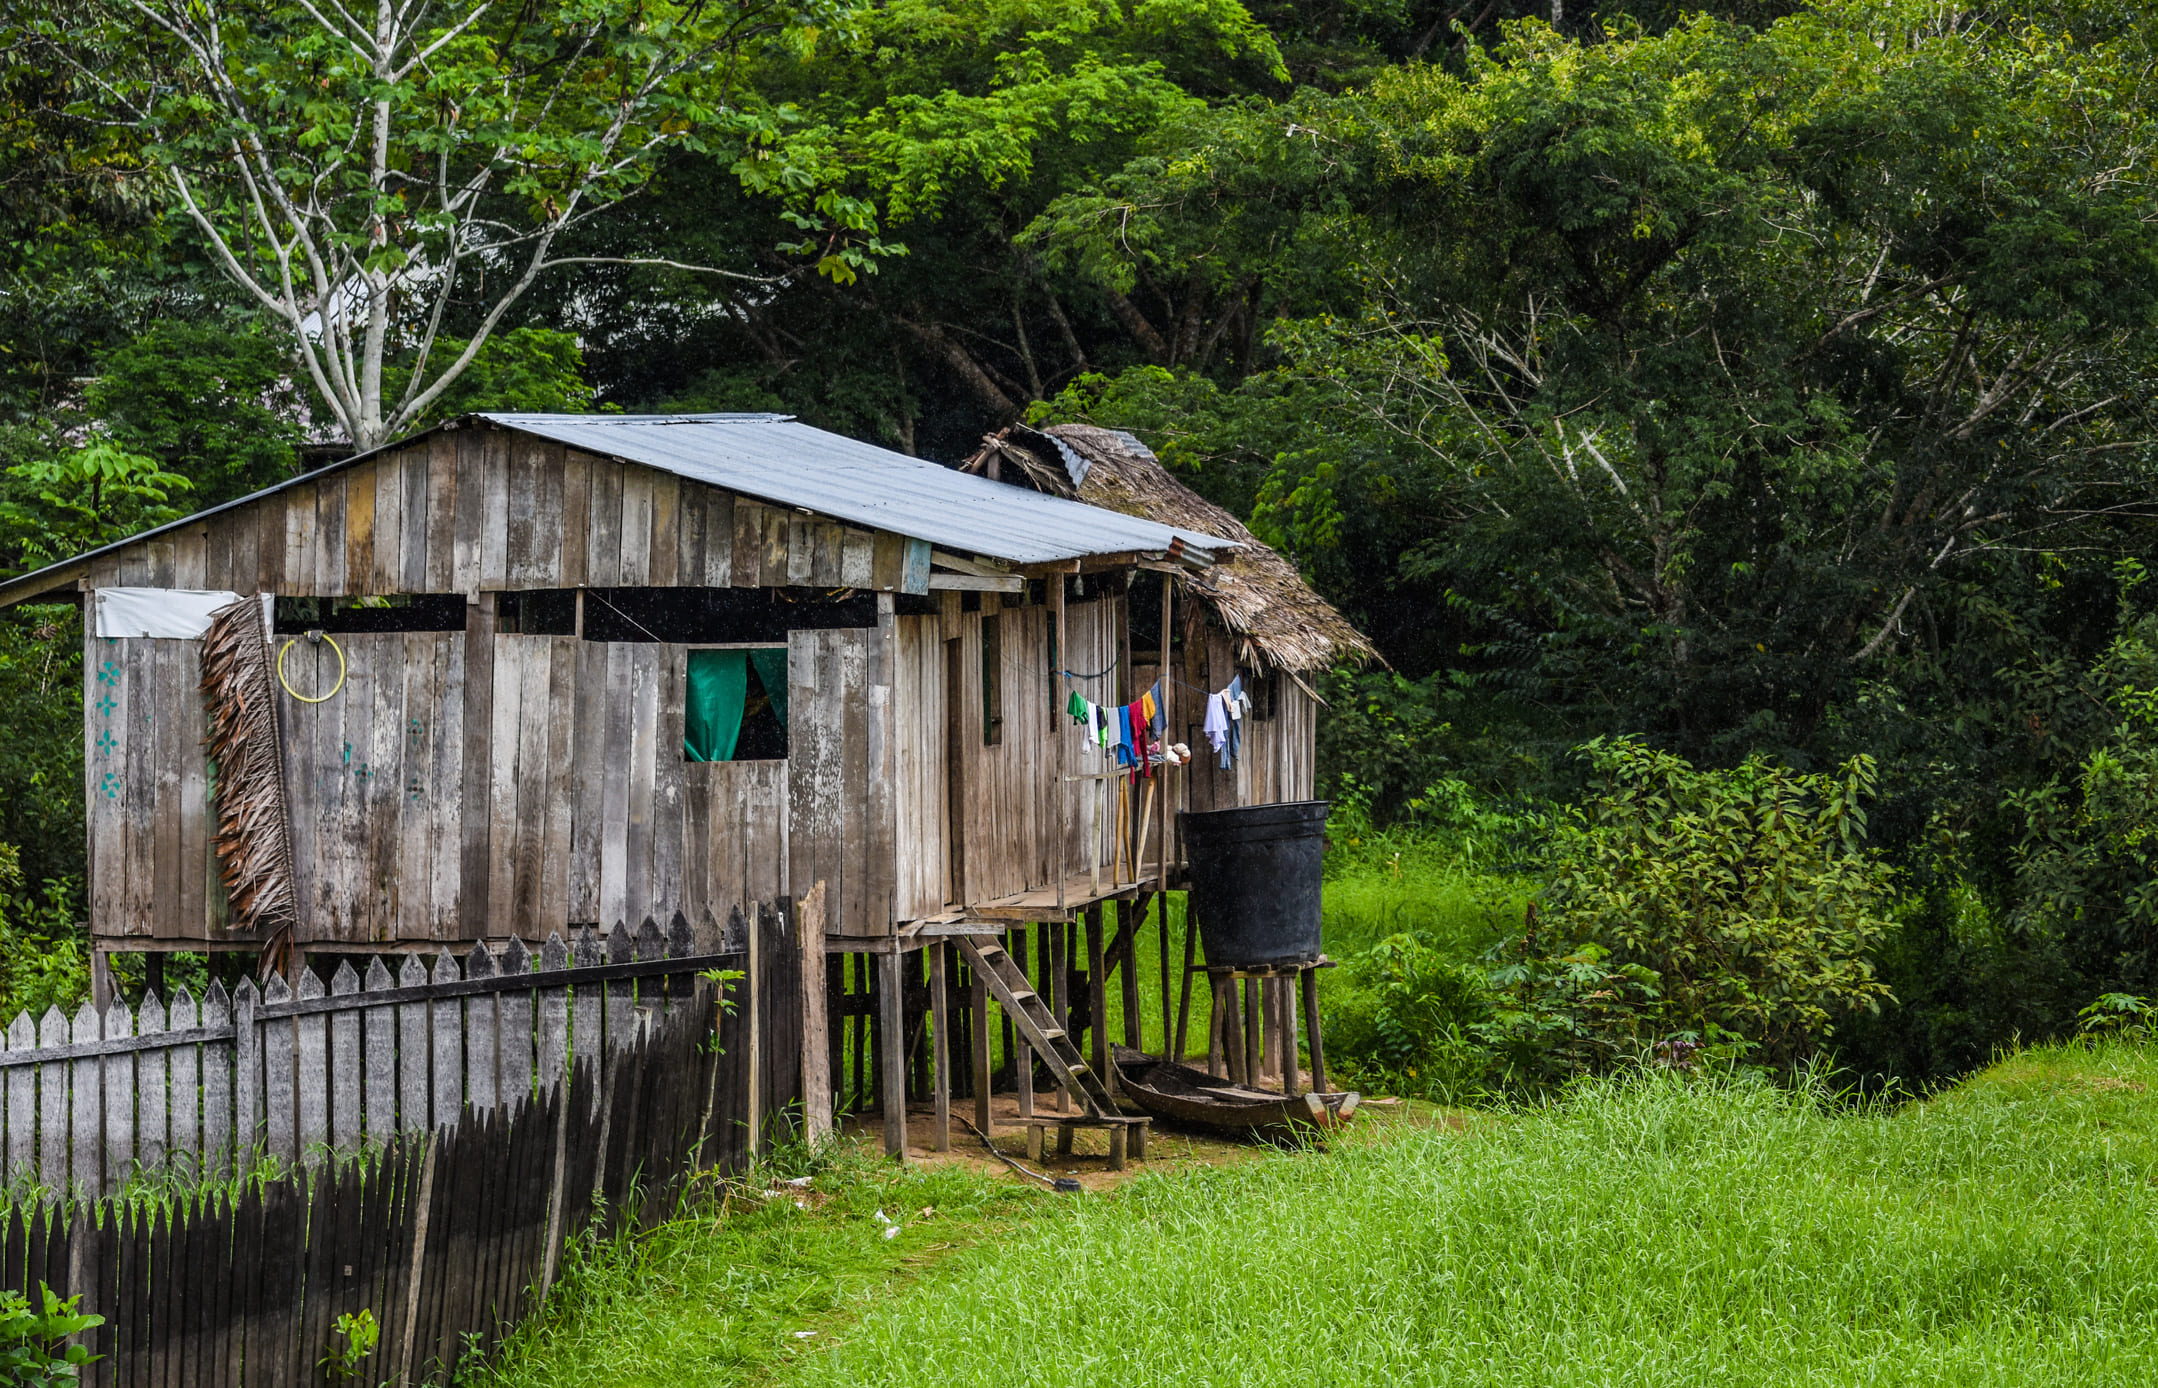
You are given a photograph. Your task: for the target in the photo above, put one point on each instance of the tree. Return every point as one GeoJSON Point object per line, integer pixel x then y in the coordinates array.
{"type": "Point", "coordinates": [382, 181]}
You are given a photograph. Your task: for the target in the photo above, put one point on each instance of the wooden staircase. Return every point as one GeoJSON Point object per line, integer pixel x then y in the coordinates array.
{"type": "Point", "coordinates": [1032, 1017]}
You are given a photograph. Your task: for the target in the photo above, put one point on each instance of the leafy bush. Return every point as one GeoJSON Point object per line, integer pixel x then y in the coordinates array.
{"type": "Point", "coordinates": [1413, 1020]}
{"type": "Point", "coordinates": [42, 963]}
{"type": "Point", "coordinates": [32, 1352]}
{"type": "Point", "coordinates": [1734, 909]}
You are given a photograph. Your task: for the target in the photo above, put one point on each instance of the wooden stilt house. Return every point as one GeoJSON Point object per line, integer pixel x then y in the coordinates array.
{"type": "Point", "coordinates": [530, 672]}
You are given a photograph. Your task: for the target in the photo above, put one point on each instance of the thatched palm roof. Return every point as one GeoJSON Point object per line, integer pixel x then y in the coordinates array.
{"type": "Point", "coordinates": [1257, 594]}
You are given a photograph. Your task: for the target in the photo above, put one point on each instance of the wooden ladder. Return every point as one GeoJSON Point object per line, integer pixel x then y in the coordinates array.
{"type": "Point", "coordinates": [1035, 1022]}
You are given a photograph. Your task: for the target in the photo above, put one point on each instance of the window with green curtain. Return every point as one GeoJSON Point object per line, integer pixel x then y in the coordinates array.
{"type": "Point", "coordinates": [724, 685]}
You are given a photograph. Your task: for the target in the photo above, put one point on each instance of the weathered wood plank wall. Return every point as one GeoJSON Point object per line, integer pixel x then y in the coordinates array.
{"type": "Point", "coordinates": [483, 510]}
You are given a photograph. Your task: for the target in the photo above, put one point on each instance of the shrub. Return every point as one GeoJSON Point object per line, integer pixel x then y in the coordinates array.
{"type": "Point", "coordinates": [1732, 909]}
{"type": "Point", "coordinates": [1413, 1020]}
{"type": "Point", "coordinates": [32, 1349]}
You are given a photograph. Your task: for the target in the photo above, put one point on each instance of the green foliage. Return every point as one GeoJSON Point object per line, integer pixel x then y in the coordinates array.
{"type": "Point", "coordinates": [215, 404]}
{"type": "Point", "coordinates": [59, 502]}
{"type": "Point", "coordinates": [359, 1334]}
{"type": "Point", "coordinates": [2087, 862]}
{"type": "Point", "coordinates": [2118, 1014]}
{"type": "Point", "coordinates": [41, 741]}
{"type": "Point", "coordinates": [1733, 908]}
{"type": "Point", "coordinates": [1415, 1020]}
{"type": "Point", "coordinates": [532, 370]}
{"type": "Point", "coordinates": [32, 1352]}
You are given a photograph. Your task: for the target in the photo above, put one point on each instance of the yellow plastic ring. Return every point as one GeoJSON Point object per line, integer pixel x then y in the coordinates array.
{"type": "Point", "coordinates": [333, 688]}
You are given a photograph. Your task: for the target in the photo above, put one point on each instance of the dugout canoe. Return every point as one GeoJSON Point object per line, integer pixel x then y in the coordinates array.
{"type": "Point", "coordinates": [1180, 1094]}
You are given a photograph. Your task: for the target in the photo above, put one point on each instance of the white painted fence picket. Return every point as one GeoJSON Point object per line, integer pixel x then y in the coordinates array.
{"type": "Point", "coordinates": [190, 1086]}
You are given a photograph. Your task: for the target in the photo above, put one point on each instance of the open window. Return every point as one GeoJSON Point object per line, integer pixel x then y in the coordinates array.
{"type": "Point", "coordinates": [391, 612]}
{"type": "Point", "coordinates": [734, 704]}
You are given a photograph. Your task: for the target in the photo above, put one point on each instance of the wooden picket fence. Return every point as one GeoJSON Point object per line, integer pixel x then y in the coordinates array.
{"type": "Point", "coordinates": [446, 1147]}
{"type": "Point", "coordinates": [195, 1087]}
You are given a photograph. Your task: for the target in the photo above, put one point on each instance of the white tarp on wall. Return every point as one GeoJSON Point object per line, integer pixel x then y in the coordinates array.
{"type": "Point", "coordinates": [175, 613]}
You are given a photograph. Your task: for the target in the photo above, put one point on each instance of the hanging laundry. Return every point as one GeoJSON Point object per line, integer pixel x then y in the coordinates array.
{"type": "Point", "coordinates": [1076, 706]}
{"type": "Point", "coordinates": [1216, 726]}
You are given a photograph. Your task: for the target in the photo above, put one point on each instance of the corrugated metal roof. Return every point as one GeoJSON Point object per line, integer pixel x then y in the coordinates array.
{"type": "Point", "coordinates": [778, 459]}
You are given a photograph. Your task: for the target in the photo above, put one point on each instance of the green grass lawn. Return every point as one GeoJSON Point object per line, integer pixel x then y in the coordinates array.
{"type": "Point", "coordinates": [1660, 1231]}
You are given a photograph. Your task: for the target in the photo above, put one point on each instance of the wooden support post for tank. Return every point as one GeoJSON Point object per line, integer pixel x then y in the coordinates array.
{"type": "Point", "coordinates": [1116, 1147]}
{"type": "Point", "coordinates": [978, 1005]}
{"type": "Point", "coordinates": [1034, 1142]}
{"type": "Point", "coordinates": [892, 1055]}
{"type": "Point", "coordinates": [1098, 1000]}
{"type": "Point", "coordinates": [1064, 1139]}
{"type": "Point", "coordinates": [1290, 1084]}
{"type": "Point", "coordinates": [1022, 1053]}
{"type": "Point", "coordinates": [1270, 1010]}
{"type": "Point", "coordinates": [940, 1022]}
{"type": "Point", "coordinates": [1224, 1046]}
{"type": "Point", "coordinates": [1254, 1033]}
{"type": "Point", "coordinates": [1310, 982]}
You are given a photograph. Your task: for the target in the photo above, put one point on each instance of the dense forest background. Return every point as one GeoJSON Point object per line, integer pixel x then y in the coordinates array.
{"type": "Point", "coordinates": [1757, 379]}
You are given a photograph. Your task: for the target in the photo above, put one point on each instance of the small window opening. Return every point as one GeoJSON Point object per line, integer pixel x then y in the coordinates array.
{"type": "Point", "coordinates": [714, 616]}
{"type": "Point", "coordinates": [388, 612]}
{"type": "Point", "coordinates": [1265, 693]}
{"type": "Point", "coordinates": [992, 681]}
{"type": "Point", "coordinates": [734, 705]}
{"type": "Point", "coordinates": [537, 612]}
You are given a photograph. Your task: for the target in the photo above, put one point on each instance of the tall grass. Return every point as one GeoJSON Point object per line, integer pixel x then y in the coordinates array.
{"type": "Point", "coordinates": [1654, 1230]}
{"type": "Point", "coordinates": [744, 1278]}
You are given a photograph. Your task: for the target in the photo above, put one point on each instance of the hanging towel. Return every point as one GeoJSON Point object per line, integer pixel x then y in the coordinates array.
{"type": "Point", "coordinates": [1076, 706]}
{"type": "Point", "coordinates": [1216, 726]}
{"type": "Point", "coordinates": [1149, 707]}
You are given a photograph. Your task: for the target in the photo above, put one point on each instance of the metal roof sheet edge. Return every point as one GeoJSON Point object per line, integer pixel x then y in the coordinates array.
{"type": "Point", "coordinates": [1037, 536]}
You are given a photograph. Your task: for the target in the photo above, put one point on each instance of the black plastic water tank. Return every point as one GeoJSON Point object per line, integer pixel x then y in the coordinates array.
{"type": "Point", "coordinates": [1255, 874]}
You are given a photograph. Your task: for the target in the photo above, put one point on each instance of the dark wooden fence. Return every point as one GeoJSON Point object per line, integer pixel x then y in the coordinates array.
{"type": "Point", "coordinates": [447, 1235]}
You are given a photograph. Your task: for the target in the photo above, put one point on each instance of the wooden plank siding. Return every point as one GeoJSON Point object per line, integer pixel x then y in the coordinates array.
{"type": "Point", "coordinates": [483, 783]}
{"type": "Point", "coordinates": [482, 510]}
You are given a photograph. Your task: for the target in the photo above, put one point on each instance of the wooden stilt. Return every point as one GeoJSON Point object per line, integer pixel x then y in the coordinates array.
{"type": "Point", "coordinates": [1225, 1045]}
{"type": "Point", "coordinates": [1310, 982]}
{"type": "Point", "coordinates": [835, 1030]}
{"type": "Point", "coordinates": [1023, 1053]}
{"type": "Point", "coordinates": [1168, 1007]}
{"type": "Point", "coordinates": [1097, 1000]}
{"type": "Point", "coordinates": [1254, 1034]}
{"type": "Point", "coordinates": [1183, 1005]}
{"type": "Point", "coordinates": [1059, 985]}
{"type": "Point", "coordinates": [1290, 1084]}
{"type": "Point", "coordinates": [978, 1010]}
{"type": "Point", "coordinates": [1131, 916]}
{"type": "Point", "coordinates": [1270, 1025]}
{"type": "Point", "coordinates": [940, 1022]}
{"type": "Point", "coordinates": [892, 1056]}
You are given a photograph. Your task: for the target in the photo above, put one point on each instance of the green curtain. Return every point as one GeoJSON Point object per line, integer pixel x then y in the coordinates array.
{"type": "Point", "coordinates": [718, 693]}
{"type": "Point", "coordinates": [771, 663]}
{"type": "Point", "coordinates": [712, 712]}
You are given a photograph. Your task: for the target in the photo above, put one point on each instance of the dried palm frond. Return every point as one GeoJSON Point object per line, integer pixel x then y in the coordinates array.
{"type": "Point", "coordinates": [254, 837]}
{"type": "Point", "coordinates": [1257, 594]}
